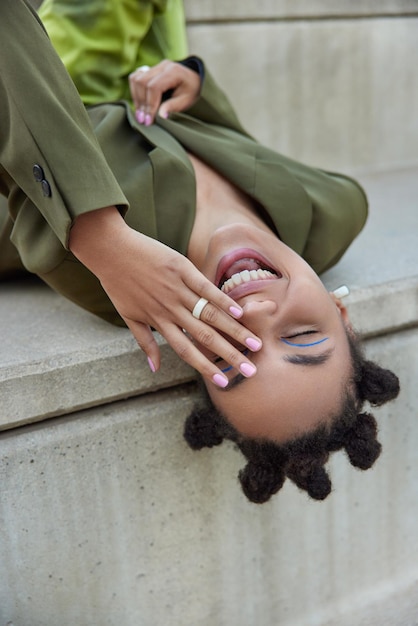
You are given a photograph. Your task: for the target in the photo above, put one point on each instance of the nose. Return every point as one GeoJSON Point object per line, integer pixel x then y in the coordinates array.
{"type": "Point", "coordinates": [258, 315]}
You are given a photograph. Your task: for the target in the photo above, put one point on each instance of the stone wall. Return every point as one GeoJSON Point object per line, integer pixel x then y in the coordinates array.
{"type": "Point", "coordinates": [329, 83]}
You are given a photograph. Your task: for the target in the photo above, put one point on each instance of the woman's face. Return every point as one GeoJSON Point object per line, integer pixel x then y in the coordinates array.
{"type": "Point", "coordinates": [303, 368]}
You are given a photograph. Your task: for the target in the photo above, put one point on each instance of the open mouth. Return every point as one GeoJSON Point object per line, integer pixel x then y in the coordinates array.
{"type": "Point", "coordinates": [245, 269]}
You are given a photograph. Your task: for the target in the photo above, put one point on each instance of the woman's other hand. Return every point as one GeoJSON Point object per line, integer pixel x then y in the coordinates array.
{"type": "Point", "coordinates": [153, 286]}
{"type": "Point", "coordinates": [148, 85]}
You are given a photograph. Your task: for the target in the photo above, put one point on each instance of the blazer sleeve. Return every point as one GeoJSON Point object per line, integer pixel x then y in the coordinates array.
{"type": "Point", "coordinates": [51, 163]}
{"type": "Point", "coordinates": [213, 105]}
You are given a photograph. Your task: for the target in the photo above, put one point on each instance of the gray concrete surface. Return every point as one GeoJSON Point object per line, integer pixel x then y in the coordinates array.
{"type": "Point", "coordinates": [386, 250]}
{"type": "Point", "coordinates": [108, 518]}
{"type": "Point", "coordinates": [56, 358]}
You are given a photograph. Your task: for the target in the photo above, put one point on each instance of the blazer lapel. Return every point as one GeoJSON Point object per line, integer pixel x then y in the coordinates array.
{"type": "Point", "coordinates": [285, 200]}
{"type": "Point", "coordinates": [254, 169]}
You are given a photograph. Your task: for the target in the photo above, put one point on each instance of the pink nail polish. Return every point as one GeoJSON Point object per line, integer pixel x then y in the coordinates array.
{"type": "Point", "coordinates": [148, 120]}
{"type": "Point", "coordinates": [235, 311]}
{"type": "Point", "coordinates": [220, 380]}
{"type": "Point", "coordinates": [253, 344]}
{"type": "Point", "coordinates": [140, 116]}
{"type": "Point", "coordinates": [151, 365]}
{"type": "Point", "coordinates": [247, 369]}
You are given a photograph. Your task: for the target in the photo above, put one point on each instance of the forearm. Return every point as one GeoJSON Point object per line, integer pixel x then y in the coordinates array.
{"type": "Point", "coordinates": [97, 236]}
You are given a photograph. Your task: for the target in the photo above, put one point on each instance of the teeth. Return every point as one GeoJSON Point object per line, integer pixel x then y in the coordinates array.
{"type": "Point", "coordinates": [244, 277]}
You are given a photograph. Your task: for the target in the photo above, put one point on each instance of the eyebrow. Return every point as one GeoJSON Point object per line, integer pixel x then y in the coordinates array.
{"type": "Point", "coordinates": [295, 359]}
{"type": "Point", "coordinates": [309, 359]}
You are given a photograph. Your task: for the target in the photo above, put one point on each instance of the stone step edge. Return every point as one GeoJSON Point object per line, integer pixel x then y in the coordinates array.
{"type": "Point", "coordinates": [384, 308]}
{"type": "Point", "coordinates": [67, 383]}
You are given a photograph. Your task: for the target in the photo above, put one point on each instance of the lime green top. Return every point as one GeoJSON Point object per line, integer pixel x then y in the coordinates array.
{"type": "Point", "coordinates": [102, 41]}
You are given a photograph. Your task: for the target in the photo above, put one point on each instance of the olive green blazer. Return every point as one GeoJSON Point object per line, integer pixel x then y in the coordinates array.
{"type": "Point", "coordinates": [316, 213]}
{"type": "Point", "coordinates": [53, 167]}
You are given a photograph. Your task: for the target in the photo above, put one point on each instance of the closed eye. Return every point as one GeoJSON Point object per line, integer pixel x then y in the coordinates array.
{"type": "Point", "coordinates": [304, 332]}
{"type": "Point", "coordinates": [301, 334]}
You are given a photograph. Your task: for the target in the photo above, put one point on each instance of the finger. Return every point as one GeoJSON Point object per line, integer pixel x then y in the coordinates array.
{"type": "Point", "coordinates": [175, 105]}
{"type": "Point", "coordinates": [146, 341]}
{"type": "Point", "coordinates": [199, 284]}
{"type": "Point", "coordinates": [148, 87]}
{"type": "Point", "coordinates": [220, 322]}
{"type": "Point", "coordinates": [194, 357]}
{"type": "Point", "coordinates": [138, 81]}
{"type": "Point", "coordinates": [168, 75]}
{"type": "Point", "coordinates": [217, 344]}
{"type": "Point", "coordinates": [156, 86]}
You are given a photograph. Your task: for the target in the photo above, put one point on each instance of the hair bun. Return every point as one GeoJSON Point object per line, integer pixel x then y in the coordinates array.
{"type": "Point", "coordinates": [377, 385]}
{"type": "Point", "coordinates": [311, 476]}
{"type": "Point", "coordinates": [259, 482]}
{"type": "Point", "coordinates": [202, 430]}
{"type": "Point", "coordinates": [361, 444]}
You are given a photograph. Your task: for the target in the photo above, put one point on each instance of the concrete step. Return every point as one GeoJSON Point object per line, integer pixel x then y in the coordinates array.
{"type": "Point", "coordinates": [56, 359]}
{"type": "Point", "coordinates": [107, 517]}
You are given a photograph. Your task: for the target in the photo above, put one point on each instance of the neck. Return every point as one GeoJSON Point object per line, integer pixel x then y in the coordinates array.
{"type": "Point", "coordinates": [218, 203]}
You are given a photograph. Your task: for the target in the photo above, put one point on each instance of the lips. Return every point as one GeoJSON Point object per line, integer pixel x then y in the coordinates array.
{"type": "Point", "coordinates": [242, 267]}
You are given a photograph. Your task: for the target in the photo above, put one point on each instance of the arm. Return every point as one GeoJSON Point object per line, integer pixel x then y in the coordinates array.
{"type": "Point", "coordinates": [149, 284]}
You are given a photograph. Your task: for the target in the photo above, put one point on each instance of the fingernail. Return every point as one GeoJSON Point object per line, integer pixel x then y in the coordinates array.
{"type": "Point", "coordinates": [235, 311]}
{"type": "Point", "coordinates": [140, 116]}
{"type": "Point", "coordinates": [341, 292]}
{"type": "Point", "coordinates": [164, 115]}
{"type": "Point", "coordinates": [151, 365]}
{"type": "Point", "coordinates": [253, 344]}
{"type": "Point", "coordinates": [148, 120]}
{"type": "Point", "coordinates": [220, 380]}
{"type": "Point", "coordinates": [247, 369]}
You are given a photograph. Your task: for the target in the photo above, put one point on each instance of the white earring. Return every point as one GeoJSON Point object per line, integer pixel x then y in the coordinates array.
{"type": "Point", "coordinates": [341, 292]}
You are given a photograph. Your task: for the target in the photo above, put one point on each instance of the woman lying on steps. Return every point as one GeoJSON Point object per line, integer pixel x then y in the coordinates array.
{"type": "Point", "coordinates": [219, 227]}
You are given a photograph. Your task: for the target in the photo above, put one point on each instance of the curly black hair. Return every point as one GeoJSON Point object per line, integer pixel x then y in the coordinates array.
{"type": "Point", "coordinates": [303, 458]}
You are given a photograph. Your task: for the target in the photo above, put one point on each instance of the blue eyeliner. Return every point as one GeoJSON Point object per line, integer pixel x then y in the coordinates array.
{"type": "Point", "coordinates": [304, 345]}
